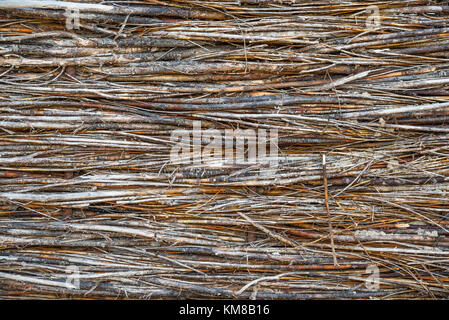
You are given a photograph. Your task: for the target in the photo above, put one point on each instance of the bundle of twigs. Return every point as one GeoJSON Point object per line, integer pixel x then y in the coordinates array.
{"type": "Point", "coordinates": [87, 182]}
